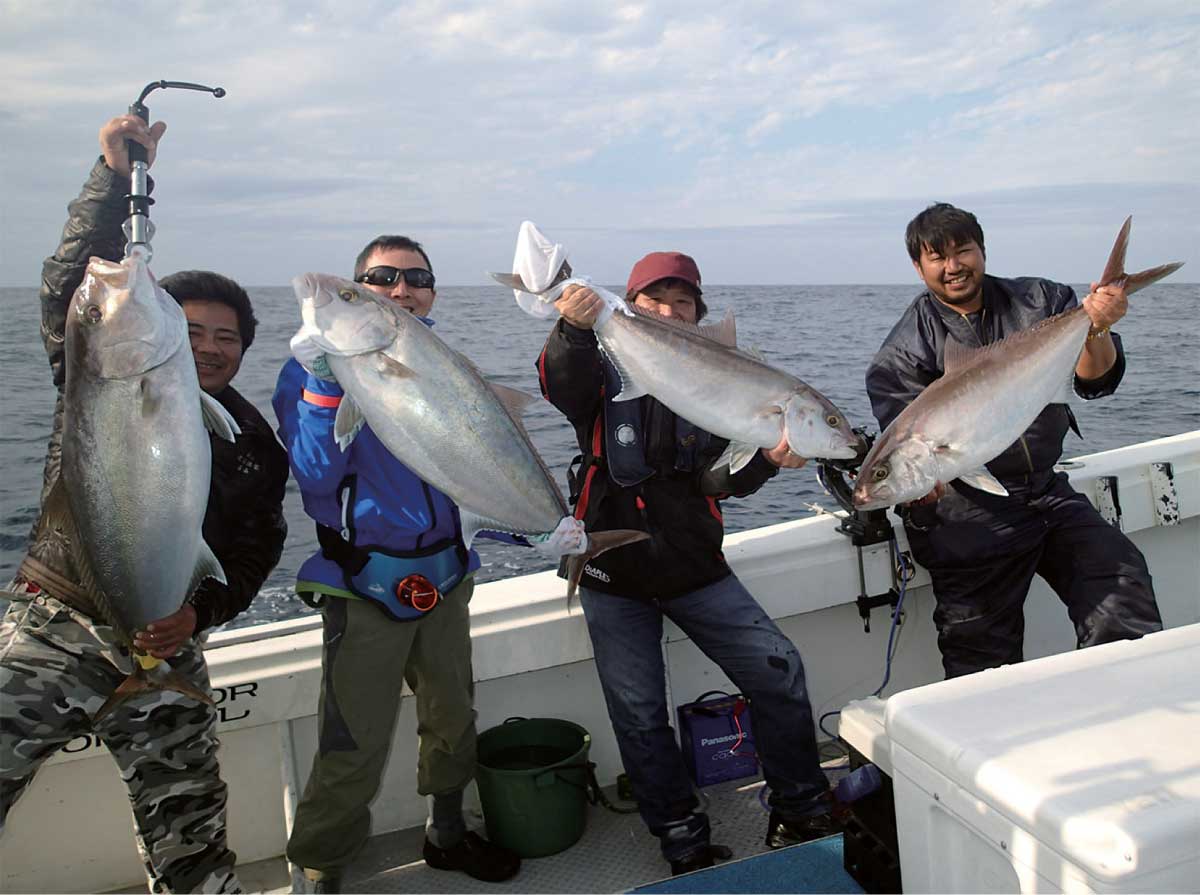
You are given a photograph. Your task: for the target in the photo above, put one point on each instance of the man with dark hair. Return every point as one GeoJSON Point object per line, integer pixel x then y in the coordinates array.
{"type": "Point", "coordinates": [645, 469]}
{"type": "Point", "coordinates": [384, 533]}
{"type": "Point", "coordinates": [982, 550]}
{"type": "Point", "coordinates": [385, 244]}
{"type": "Point", "coordinates": [59, 660]}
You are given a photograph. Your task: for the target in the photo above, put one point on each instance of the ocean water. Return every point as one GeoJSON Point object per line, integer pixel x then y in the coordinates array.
{"type": "Point", "coordinates": [824, 334]}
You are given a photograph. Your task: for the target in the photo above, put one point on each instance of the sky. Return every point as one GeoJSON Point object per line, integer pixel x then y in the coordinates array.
{"type": "Point", "coordinates": [777, 142]}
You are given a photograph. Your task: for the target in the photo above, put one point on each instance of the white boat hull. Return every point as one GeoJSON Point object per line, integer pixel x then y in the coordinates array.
{"type": "Point", "coordinates": [72, 830]}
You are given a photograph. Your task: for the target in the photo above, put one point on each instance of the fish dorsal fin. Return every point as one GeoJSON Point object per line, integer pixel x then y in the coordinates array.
{"type": "Point", "coordinates": [723, 332]}
{"type": "Point", "coordinates": [207, 566]}
{"type": "Point", "coordinates": [755, 352]}
{"type": "Point", "coordinates": [217, 419]}
{"type": "Point", "coordinates": [1115, 268]}
{"type": "Point", "coordinates": [956, 355]}
{"type": "Point", "coordinates": [348, 422]}
{"type": "Point", "coordinates": [515, 401]}
{"type": "Point", "coordinates": [629, 389]}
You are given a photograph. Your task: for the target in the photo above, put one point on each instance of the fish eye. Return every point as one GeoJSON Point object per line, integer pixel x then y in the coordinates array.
{"type": "Point", "coordinates": [880, 473]}
{"type": "Point", "coordinates": [833, 419]}
{"type": "Point", "coordinates": [346, 294]}
{"type": "Point", "coordinates": [93, 314]}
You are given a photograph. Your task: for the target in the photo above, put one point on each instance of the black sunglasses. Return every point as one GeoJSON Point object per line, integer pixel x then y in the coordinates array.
{"type": "Point", "coordinates": [386, 275]}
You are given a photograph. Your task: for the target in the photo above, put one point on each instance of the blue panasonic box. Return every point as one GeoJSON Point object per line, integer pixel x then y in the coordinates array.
{"type": "Point", "coordinates": [713, 747]}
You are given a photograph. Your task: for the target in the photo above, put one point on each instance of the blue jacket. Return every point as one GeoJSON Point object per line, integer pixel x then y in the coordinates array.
{"type": "Point", "coordinates": [364, 491]}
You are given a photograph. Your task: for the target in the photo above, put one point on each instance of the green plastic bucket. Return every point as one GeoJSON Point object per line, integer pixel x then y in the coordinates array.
{"type": "Point", "coordinates": [533, 778]}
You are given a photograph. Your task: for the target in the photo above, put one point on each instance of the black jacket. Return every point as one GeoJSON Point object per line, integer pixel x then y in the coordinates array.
{"type": "Point", "coordinates": [244, 522]}
{"type": "Point", "coordinates": [911, 358]}
{"type": "Point", "coordinates": [679, 508]}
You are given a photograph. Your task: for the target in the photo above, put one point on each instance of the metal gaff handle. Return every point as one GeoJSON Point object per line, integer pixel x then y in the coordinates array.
{"type": "Point", "coordinates": [138, 229]}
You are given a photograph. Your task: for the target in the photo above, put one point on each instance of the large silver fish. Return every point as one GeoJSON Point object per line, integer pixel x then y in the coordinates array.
{"type": "Point", "coordinates": [699, 373]}
{"type": "Point", "coordinates": [434, 411]}
{"type": "Point", "coordinates": [983, 401]}
{"type": "Point", "coordinates": [136, 459]}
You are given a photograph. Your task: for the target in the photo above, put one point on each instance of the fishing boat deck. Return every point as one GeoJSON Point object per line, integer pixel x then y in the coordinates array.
{"type": "Point", "coordinates": [615, 854]}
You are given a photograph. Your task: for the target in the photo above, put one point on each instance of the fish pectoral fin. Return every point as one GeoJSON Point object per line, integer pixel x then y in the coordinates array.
{"type": "Point", "coordinates": [389, 366]}
{"type": "Point", "coordinates": [207, 566]}
{"type": "Point", "coordinates": [630, 390]}
{"type": "Point", "coordinates": [984, 481]}
{"type": "Point", "coordinates": [217, 419]}
{"type": "Point", "coordinates": [348, 421]}
{"type": "Point", "coordinates": [736, 456]}
{"type": "Point", "coordinates": [514, 400]}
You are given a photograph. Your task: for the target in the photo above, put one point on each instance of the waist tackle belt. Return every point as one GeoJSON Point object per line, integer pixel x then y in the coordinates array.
{"type": "Point", "coordinates": [408, 586]}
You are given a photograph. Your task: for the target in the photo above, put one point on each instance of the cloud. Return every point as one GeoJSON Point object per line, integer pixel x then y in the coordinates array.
{"type": "Point", "coordinates": [376, 116]}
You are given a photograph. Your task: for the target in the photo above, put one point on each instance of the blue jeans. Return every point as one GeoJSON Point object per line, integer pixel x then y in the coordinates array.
{"type": "Point", "coordinates": [729, 626]}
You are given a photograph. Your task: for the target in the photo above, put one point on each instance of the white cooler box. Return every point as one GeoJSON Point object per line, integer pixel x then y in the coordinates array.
{"type": "Point", "coordinates": [1074, 773]}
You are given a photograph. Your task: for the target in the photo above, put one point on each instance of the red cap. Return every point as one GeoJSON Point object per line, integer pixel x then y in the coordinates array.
{"type": "Point", "coordinates": [662, 266]}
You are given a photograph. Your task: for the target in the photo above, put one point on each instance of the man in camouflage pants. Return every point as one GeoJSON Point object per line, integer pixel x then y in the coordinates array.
{"type": "Point", "coordinates": [57, 667]}
{"type": "Point", "coordinates": [59, 660]}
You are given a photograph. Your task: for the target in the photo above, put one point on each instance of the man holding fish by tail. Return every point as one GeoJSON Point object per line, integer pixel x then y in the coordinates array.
{"type": "Point", "coordinates": [646, 467]}
{"type": "Point", "coordinates": [975, 362]}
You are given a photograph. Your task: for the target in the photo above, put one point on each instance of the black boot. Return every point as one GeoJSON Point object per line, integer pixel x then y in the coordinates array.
{"type": "Point", "coordinates": [781, 833]}
{"type": "Point", "coordinates": [475, 857]}
{"type": "Point", "coordinates": [700, 859]}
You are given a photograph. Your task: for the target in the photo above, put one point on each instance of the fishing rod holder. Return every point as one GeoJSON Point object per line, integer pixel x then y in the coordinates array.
{"type": "Point", "coordinates": [137, 227]}
{"type": "Point", "coordinates": [863, 528]}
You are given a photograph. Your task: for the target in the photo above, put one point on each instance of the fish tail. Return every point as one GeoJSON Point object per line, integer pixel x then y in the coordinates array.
{"type": "Point", "coordinates": [1114, 270]}
{"type": "Point", "coordinates": [141, 681]}
{"type": "Point", "coordinates": [598, 542]}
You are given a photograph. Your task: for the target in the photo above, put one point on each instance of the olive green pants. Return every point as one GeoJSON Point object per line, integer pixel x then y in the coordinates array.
{"type": "Point", "coordinates": [366, 658]}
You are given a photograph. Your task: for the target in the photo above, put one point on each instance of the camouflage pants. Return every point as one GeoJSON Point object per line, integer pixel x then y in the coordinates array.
{"type": "Point", "coordinates": [57, 667]}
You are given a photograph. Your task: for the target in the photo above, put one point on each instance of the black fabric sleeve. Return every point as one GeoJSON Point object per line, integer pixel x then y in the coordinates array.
{"type": "Point", "coordinates": [894, 380]}
{"type": "Point", "coordinates": [93, 228]}
{"type": "Point", "coordinates": [570, 374]}
{"type": "Point", "coordinates": [1090, 389]}
{"type": "Point", "coordinates": [255, 532]}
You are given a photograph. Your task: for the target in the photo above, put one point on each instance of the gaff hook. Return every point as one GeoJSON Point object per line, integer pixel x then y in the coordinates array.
{"type": "Point", "coordinates": [137, 227]}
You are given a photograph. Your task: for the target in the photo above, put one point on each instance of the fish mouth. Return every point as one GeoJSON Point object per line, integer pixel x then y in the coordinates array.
{"type": "Point", "coordinates": [871, 503]}
{"type": "Point", "coordinates": [841, 453]}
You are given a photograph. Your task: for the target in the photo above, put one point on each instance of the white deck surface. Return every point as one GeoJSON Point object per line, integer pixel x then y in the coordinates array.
{"type": "Point", "coordinates": [615, 854]}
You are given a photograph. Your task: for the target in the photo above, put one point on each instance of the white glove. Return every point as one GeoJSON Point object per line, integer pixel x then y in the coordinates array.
{"type": "Point", "coordinates": [537, 261]}
{"type": "Point", "coordinates": [311, 355]}
{"type": "Point", "coordinates": [569, 539]}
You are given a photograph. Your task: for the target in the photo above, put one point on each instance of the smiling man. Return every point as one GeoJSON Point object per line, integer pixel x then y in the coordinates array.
{"type": "Point", "coordinates": [983, 550]}
{"type": "Point", "coordinates": [59, 659]}
{"type": "Point", "coordinates": [385, 537]}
